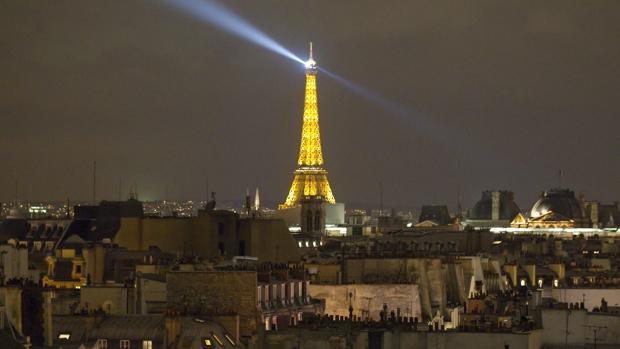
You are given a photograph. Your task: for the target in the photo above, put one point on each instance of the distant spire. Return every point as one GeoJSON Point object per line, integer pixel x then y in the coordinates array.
{"type": "Point", "coordinates": [256, 200]}
{"type": "Point", "coordinates": [310, 50]}
{"type": "Point", "coordinates": [248, 207]}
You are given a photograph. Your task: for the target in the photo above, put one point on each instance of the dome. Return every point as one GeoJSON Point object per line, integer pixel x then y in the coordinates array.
{"type": "Point", "coordinates": [508, 209]}
{"type": "Point", "coordinates": [560, 201]}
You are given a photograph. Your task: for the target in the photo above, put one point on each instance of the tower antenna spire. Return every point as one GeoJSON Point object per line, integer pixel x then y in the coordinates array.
{"type": "Point", "coordinates": [310, 49]}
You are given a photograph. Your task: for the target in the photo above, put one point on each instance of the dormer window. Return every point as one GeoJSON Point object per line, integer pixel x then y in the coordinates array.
{"type": "Point", "coordinates": [124, 344]}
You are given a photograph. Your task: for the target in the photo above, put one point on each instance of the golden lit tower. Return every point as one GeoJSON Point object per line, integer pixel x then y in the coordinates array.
{"type": "Point", "coordinates": [310, 180]}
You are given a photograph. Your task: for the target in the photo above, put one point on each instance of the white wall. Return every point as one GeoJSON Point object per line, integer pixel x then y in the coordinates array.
{"type": "Point", "coordinates": [593, 296]}
{"type": "Point", "coordinates": [369, 297]}
{"type": "Point", "coordinates": [15, 261]}
{"type": "Point", "coordinates": [580, 328]}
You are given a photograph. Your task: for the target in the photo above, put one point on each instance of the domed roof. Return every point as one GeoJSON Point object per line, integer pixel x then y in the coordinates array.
{"type": "Point", "coordinates": [508, 208]}
{"type": "Point", "coordinates": [560, 201]}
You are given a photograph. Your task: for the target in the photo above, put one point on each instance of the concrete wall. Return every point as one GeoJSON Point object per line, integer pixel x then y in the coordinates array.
{"type": "Point", "coordinates": [581, 325]}
{"type": "Point", "coordinates": [14, 260]}
{"type": "Point", "coordinates": [211, 234]}
{"type": "Point", "coordinates": [592, 296]}
{"type": "Point", "coordinates": [369, 299]}
{"type": "Point", "coordinates": [398, 339]}
{"type": "Point", "coordinates": [112, 299]}
{"type": "Point", "coordinates": [11, 299]}
{"type": "Point", "coordinates": [216, 292]}
{"type": "Point", "coordinates": [427, 273]}
{"type": "Point", "coordinates": [269, 240]}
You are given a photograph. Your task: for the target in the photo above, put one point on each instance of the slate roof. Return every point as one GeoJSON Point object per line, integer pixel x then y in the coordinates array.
{"type": "Point", "coordinates": [132, 327]}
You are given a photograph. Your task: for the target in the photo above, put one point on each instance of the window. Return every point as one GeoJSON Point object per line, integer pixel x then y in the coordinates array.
{"type": "Point", "coordinates": [102, 343]}
{"type": "Point", "coordinates": [147, 344]}
{"type": "Point", "coordinates": [218, 340]}
{"type": "Point", "coordinates": [64, 336]}
{"type": "Point", "coordinates": [125, 344]}
{"type": "Point", "coordinates": [207, 342]}
{"type": "Point", "coordinates": [230, 340]}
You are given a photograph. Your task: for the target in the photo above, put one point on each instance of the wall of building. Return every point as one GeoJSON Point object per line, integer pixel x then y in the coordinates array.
{"type": "Point", "coordinates": [581, 325]}
{"type": "Point", "coordinates": [216, 292]}
{"type": "Point", "coordinates": [324, 273]}
{"type": "Point", "coordinates": [11, 299]}
{"type": "Point", "coordinates": [399, 339]}
{"type": "Point", "coordinates": [368, 299]}
{"type": "Point", "coordinates": [112, 299]}
{"type": "Point", "coordinates": [427, 273]}
{"type": "Point", "coordinates": [152, 296]}
{"type": "Point", "coordinates": [211, 234]}
{"type": "Point", "coordinates": [269, 240]}
{"type": "Point", "coordinates": [14, 261]}
{"type": "Point", "coordinates": [592, 296]}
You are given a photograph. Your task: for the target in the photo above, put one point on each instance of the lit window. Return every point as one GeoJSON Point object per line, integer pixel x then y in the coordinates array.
{"type": "Point", "coordinates": [207, 342]}
{"type": "Point", "coordinates": [64, 336]}
{"type": "Point", "coordinates": [102, 343]}
{"type": "Point", "coordinates": [314, 243]}
{"type": "Point", "coordinates": [540, 283]}
{"type": "Point", "coordinates": [307, 244]}
{"type": "Point", "coordinates": [556, 283]}
{"type": "Point", "coordinates": [522, 282]}
{"type": "Point", "coordinates": [124, 344]}
{"type": "Point", "coordinates": [300, 244]}
{"type": "Point", "coordinates": [147, 344]}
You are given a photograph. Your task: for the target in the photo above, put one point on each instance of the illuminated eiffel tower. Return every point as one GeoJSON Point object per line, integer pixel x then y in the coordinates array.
{"type": "Point", "coordinates": [310, 182]}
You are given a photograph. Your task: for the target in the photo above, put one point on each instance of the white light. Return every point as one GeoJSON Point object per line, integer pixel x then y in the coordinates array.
{"type": "Point", "coordinates": [300, 244]}
{"type": "Point", "coordinates": [314, 243]}
{"type": "Point", "coordinates": [409, 225]}
{"type": "Point", "coordinates": [307, 244]}
{"type": "Point", "coordinates": [64, 336]}
{"type": "Point", "coordinates": [522, 282]}
{"type": "Point", "coordinates": [311, 63]}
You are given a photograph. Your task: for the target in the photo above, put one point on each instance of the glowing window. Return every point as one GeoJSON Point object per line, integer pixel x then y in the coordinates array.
{"type": "Point", "coordinates": [147, 344]}
{"type": "Point", "coordinates": [522, 282]}
{"type": "Point", "coordinates": [64, 336]}
{"type": "Point", "coordinates": [556, 283]}
{"type": "Point", "coordinates": [207, 342]}
{"type": "Point", "coordinates": [540, 283]}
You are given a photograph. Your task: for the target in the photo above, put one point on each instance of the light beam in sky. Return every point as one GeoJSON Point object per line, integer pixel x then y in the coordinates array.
{"type": "Point", "coordinates": [214, 13]}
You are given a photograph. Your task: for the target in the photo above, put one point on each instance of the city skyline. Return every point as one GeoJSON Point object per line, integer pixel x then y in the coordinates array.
{"type": "Point", "coordinates": [151, 97]}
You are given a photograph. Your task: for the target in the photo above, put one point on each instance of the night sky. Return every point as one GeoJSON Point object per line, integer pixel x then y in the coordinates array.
{"type": "Point", "coordinates": [493, 95]}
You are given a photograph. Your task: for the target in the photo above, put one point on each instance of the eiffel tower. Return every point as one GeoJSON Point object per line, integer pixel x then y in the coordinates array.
{"type": "Point", "coordinates": [310, 181]}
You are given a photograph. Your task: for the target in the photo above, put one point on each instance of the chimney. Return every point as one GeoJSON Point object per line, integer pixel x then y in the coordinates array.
{"type": "Point", "coordinates": [47, 314]}
{"type": "Point", "coordinates": [173, 329]}
{"type": "Point", "coordinates": [594, 214]}
{"type": "Point", "coordinates": [495, 205]}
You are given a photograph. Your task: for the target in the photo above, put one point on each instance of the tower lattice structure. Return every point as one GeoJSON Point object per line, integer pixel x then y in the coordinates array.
{"type": "Point", "coordinates": [310, 180]}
